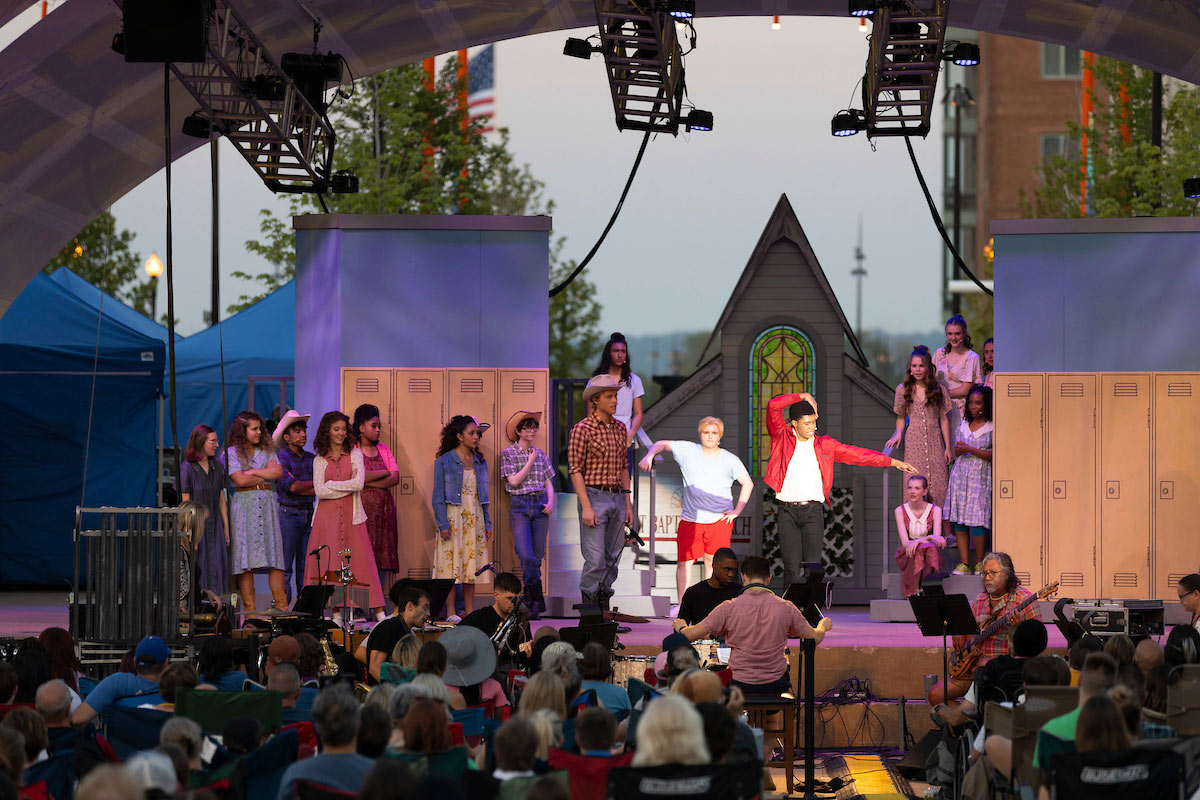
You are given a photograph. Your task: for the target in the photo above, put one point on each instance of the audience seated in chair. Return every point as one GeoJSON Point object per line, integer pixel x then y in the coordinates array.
{"type": "Point", "coordinates": [999, 679]}
{"type": "Point", "coordinates": [53, 703]}
{"type": "Point", "coordinates": [285, 679]}
{"type": "Point", "coordinates": [338, 765]}
{"type": "Point", "coordinates": [151, 657]}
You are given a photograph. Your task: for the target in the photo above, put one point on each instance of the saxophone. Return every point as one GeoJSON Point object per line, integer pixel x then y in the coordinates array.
{"type": "Point", "coordinates": [330, 665]}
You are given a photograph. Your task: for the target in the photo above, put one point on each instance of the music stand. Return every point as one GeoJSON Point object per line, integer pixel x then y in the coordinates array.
{"type": "Point", "coordinates": [804, 597]}
{"type": "Point", "coordinates": [605, 633]}
{"type": "Point", "coordinates": [438, 589]}
{"type": "Point", "coordinates": [313, 599]}
{"type": "Point", "coordinates": [948, 615]}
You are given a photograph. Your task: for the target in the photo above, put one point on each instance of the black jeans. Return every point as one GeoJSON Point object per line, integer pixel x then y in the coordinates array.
{"type": "Point", "coordinates": [801, 538]}
{"type": "Point", "coordinates": [773, 689]}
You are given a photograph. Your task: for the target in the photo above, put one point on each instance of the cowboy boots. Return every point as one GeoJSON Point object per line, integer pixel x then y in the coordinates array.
{"type": "Point", "coordinates": [246, 590]}
{"type": "Point", "coordinates": [278, 591]}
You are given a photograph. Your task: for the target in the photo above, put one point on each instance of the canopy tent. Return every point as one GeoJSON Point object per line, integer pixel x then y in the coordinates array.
{"type": "Point", "coordinates": [81, 383]}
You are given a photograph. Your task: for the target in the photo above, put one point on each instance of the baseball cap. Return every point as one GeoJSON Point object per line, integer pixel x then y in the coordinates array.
{"type": "Point", "coordinates": [284, 648]}
{"type": "Point", "coordinates": [673, 640]}
{"type": "Point", "coordinates": [150, 651]}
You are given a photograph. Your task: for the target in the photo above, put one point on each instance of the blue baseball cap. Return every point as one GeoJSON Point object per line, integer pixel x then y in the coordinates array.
{"type": "Point", "coordinates": [151, 651]}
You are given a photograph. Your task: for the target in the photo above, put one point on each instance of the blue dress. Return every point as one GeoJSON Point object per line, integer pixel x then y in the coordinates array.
{"type": "Point", "coordinates": [254, 520]}
{"type": "Point", "coordinates": [212, 555]}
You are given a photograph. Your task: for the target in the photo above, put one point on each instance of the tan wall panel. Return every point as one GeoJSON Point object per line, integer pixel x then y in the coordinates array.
{"type": "Point", "coordinates": [419, 403]}
{"type": "Point", "coordinates": [1176, 480]}
{"type": "Point", "coordinates": [1071, 482]}
{"type": "Point", "coordinates": [473, 392]}
{"type": "Point", "coordinates": [1124, 485]}
{"type": "Point", "coordinates": [519, 390]}
{"type": "Point", "coordinates": [1018, 475]}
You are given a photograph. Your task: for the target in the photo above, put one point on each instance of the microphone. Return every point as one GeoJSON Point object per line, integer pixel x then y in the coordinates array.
{"type": "Point", "coordinates": [490, 565]}
{"type": "Point", "coordinates": [319, 549]}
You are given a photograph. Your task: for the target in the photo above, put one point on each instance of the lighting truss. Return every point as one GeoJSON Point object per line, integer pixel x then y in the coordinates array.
{"type": "Point", "coordinates": [902, 68]}
{"type": "Point", "coordinates": [258, 107]}
{"type": "Point", "coordinates": [644, 63]}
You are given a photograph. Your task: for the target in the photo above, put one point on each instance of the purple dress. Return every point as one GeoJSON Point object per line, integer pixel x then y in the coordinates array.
{"type": "Point", "coordinates": [212, 556]}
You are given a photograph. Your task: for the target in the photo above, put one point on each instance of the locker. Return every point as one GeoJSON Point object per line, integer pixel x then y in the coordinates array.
{"type": "Point", "coordinates": [473, 392]}
{"type": "Point", "coordinates": [1124, 485]}
{"type": "Point", "coordinates": [1071, 482]}
{"type": "Point", "coordinates": [519, 390]}
{"type": "Point", "coordinates": [372, 386]}
{"type": "Point", "coordinates": [1176, 510]}
{"type": "Point", "coordinates": [418, 398]}
{"type": "Point", "coordinates": [1018, 491]}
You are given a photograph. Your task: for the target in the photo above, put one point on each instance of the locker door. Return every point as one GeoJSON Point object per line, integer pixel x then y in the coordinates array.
{"type": "Point", "coordinates": [1176, 485]}
{"type": "Point", "coordinates": [419, 402]}
{"type": "Point", "coordinates": [1019, 502]}
{"type": "Point", "coordinates": [372, 386]}
{"type": "Point", "coordinates": [1071, 480]}
{"type": "Point", "coordinates": [520, 390]}
{"type": "Point", "coordinates": [473, 392]}
{"type": "Point", "coordinates": [1124, 489]}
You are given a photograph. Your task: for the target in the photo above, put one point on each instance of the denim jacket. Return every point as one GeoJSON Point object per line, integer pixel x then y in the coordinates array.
{"type": "Point", "coordinates": [447, 487]}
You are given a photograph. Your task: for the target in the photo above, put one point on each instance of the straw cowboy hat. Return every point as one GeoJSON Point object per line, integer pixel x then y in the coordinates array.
{"type": "Point", "coordinates": [290, 418]}
{"type": "Point", "coordinates": [598, 384]}
{"type": "Point", "coordinates": [510, 427]}
{"type": "Point", "coordinates": [470, 656]}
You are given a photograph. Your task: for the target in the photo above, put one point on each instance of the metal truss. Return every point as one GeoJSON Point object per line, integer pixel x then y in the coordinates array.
{"type": "Point", "coordinates": [903, 65]}
{"type": "Point", "coordinates": [644, 62]}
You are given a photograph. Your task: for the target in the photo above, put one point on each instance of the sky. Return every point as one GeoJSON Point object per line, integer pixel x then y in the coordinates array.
{"type": "Point", "coordinates": [699, 201]}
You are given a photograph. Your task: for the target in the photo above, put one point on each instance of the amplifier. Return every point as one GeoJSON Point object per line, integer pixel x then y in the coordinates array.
{"type": "Point", "coordinates": [1134, 618]}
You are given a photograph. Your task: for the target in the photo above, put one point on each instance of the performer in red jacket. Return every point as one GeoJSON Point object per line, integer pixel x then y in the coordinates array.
{"type": "Point", "coordinates": [800, 471]}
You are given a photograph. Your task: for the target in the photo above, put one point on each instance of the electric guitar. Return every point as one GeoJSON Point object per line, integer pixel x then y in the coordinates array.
{"type": "Point", "coordinates": [968, 651]}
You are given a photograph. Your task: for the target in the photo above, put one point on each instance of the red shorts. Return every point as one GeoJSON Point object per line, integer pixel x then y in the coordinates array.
{"type": "Point", "coordinates": [698, 539]}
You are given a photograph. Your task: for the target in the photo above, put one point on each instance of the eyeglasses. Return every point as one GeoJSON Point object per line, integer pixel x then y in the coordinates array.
{"type": "Point", "coordinates": [991, 573]}
{"type": "Point", "coordinates": [1185, 594]}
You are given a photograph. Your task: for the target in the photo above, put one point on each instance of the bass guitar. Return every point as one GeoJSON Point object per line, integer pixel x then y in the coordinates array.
{"type": "Point", "coordinates": [968, 651]}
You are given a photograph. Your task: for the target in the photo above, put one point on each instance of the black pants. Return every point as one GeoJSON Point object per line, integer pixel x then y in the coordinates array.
{"type": "Point", "coordinates": [776, 687]}
{"type": "Point", "coordinates": [801, 538]}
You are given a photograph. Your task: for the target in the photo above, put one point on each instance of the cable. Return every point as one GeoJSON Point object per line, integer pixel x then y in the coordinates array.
{"type": "Point", "coordinates": [937, 220]}
{"type": "Point", "coordinates": [87, 443]}
{"type": "Point", "coordinates": [170, 270]}
{"type": "Point", "coordinates": [629, 182]}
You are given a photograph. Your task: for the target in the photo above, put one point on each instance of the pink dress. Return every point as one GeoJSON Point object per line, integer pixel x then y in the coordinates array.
{"type": "Point", "coordinates": [926, 558]}
{"type": "Point", "coordinates": [340, 522]}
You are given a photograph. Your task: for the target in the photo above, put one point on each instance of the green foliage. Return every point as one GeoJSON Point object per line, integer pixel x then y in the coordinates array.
{"type": "Point", "coordinates": [574, 320]}
{"type": "Point", "coordinates": [104, 257]}
{"type": "Point", "coordinates": [277, 248]}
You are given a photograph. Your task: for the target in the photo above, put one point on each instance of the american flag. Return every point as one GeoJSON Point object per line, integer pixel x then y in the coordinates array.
{"type": "Point", "coordinates": [481, 100]}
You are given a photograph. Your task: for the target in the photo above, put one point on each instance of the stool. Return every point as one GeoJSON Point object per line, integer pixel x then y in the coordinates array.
{"type": "Point", "coordinates": [757, 708]}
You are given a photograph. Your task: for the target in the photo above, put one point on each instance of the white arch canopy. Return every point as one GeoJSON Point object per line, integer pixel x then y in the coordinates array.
{"type": "Point", "coordinates": [81, 127]}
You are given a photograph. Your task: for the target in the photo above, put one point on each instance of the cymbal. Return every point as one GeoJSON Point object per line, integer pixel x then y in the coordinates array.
{"type": "Point", "coordinates": [277, 612]}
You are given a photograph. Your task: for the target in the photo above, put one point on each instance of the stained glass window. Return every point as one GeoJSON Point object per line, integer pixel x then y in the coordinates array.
{"type": "Point", "coordinates": [782, 360]}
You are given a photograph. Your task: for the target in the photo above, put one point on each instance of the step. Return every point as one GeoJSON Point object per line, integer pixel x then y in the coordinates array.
{"type": "Point", "coordinates": [565, 582]}
{"type": "Point", "coordinates": [637, 605]}
{"type": "Point", "coordinates": [569, 556]}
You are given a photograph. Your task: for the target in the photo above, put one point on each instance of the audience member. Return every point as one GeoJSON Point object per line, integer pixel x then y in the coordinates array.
{"type": "Point", "coordinates": [1183, 646]}
{"type": "Point", "coordinates": [544, 690]}
{"type": "Point", "coordinates": [1147, 655]}
{"type": "Point", "coordinates": [154, 773]}
{"type": "Point", "coordinates": [1046, 671]}
{"type": "Point", "coordinates": [12, 754]}
{"type": "Point", "coordinates": [670, 731]}
{"type": "Point", "coordinates": [1156, 690]}
{"type": "Point", "coordinates": [32, 664]}
{"type": "Point", "coordinates": [1121, 648]}
{"type": "Point", "coordinates": [374, 730]}
{"type": "Point", "coordinates": [425, 728]}
{"type": "Point", "coordinates": [32, 728]}
{"type": "Point", "coordinates": [405, 652]}
{"type": "Point", "coordinates": [120, 688]}
{"type": "Point", "coordinates": [595, 732]}
{"type": "Point", "coordinates": [437, 690]}
{"type": "Point", "coordinates": [176, 676]}
{"type": "Point", "coordinates": [380, 695]}
{"type": "Point", "coordinates": [549, 728]}
{"type": "Point", "coordinates": [312, 657]}
{"type": "Point", "coordinates": [8, 789]}
{"type": "Point", "coordinates": [242, 735]}
{"type": "Point", "coordinates": [401, 702]}
{"type": "Point", "coordinates": [1099, 675]}
{"type": "Point", "coordinates": [64, 664]}
{"type": "Point", "coordinates": [283, 650]}
{"type": "Point", "coordinates": [185, 734]}
{"type": "Point", "coordinates": [389, 779]}
{"type": "Point", "coordinates": [179, 763]}
{"type": "Point", "coordinates": [109, 782]}
{"type": "Point", "coordinates": [285, 679]}
{"type": "Point", "coordinates": [1101, 726]}
{"type": "Point", "coordinates": [8, 683]}
{"type": "Point", "coordinates": [548, 788]}
{"type": "Point", "coordinates": [596, 669]}
{"type": "Point", "coordinates": [719, 730]}
{"type": "Point", "coordinates": [1080, 649]}
{"type": "Point", "coordinates": [337, 766]}
{"type": "Point", "coordinates": [516, 748]}
{"type": "Point", "coordinates": [215, 665]}
{"type": "Point", "coordinates": [53, 702]}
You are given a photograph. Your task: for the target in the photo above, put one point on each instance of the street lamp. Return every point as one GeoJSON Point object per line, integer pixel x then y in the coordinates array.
{"type": "Point", "coordinates": [154, 268]}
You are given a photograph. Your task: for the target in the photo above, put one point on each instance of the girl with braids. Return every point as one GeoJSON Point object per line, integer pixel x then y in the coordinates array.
{"type": "Point", "coordinates": [381, 475]}
{"type": "Point", "coordinates": [460, 508]}
{"type": "Point", "coordinates": [339, 521]}
{"type": "Point", "coordinates": [614, 362]}
{"type": "Point", "coordinates": [254, 528]}
{"type": "Point", "coordinates": [922, 404]}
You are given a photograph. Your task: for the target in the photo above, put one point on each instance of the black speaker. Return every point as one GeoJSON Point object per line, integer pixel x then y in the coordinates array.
{"type": "Point", "coordinates": [166, 30]}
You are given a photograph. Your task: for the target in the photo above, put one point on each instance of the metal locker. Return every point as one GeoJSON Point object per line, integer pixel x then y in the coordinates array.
{"type": "Point", "coordinates": [1018, 473]}
{"type": "Point", "coordinates": [1071, 543]}
{"type": "Point", "coordinates": [1124, 485]}
{"type": "Point", "coordinates": [520, 390]}
{"type": "Point", "coordinates": [1175, 480]}
{"type": "Point", "coordinates": [473, 392]}
{"type": "Point", "coordinates": [372, 386]}
{"type": "Point", "coordinates": [418, 399]}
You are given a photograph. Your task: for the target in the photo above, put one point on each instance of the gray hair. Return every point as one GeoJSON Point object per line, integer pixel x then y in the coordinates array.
{"type": "Point", "coordinates": [437, 690]}
{"type": "Point", "coordinates": [380, 695]}
{"type": "Point", "coordinates": [285, 678]}
{"type": "Point", "coordinates": [184, 734]}
{"type": "Point", "coordinates": [560, 658]}
{"type": "Point", "coordinates": [1006, 564]}
{"type": "Point", "coordinates": [403, 697]}
{"type": "Point", "coordinates": [53, 700]}
{"type": "Point", "coordinates": [671, 731]}
{"type": "Point", "coordinates": [335, 716]}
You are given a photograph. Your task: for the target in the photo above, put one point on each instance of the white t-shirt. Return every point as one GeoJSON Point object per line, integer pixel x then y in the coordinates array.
{"type": "Point", "coordinates": [802, 483]}
{"type": "Point", "coordinates": [625, 397]}
{"type": "Point", "coordinates": [706, 481]}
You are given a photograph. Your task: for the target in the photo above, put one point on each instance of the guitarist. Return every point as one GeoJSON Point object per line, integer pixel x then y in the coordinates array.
{"type": "Point", "coordinates": [1002, 593]}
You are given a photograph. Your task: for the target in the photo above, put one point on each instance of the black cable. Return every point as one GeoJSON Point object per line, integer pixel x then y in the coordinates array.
{"type": "Point", "coordinates": [937, 220]}
{"type": "Point", "coordinates": [321, 198]}
{"type": "Point", "coordinates": [170, 270]}
{"type": "Point", "coordinates": [214, 164]}
{"type": "Point", "coordinates": [629, 182]}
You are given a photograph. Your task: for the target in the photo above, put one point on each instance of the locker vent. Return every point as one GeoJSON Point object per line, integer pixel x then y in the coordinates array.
{"type": "Point", "coordinates": [1179, 390]}
{"type": "Point", "coordinates": [1071, 579]}
{"type": "Point", "coordinates": [1023, 577]}
{"type": "Point", "coordinates": [366, 385]}
{"type": "Point", "coordinates": [1020, 390]}
{"type": "Point", "coordinates": [1125, 390]}
{"type": "Point", "coordinates": [1070, 390]}
{"type": "Point", "coordinates": [523, 386]}
{"type": "Point", "coordinates": [420, 385]}
{"type": "Point", "coordinates": [471, 385]}
{"type": "Point", "coordinates": [1174, 578]}
{"type": "Point", "coordinates": [1125, 580]}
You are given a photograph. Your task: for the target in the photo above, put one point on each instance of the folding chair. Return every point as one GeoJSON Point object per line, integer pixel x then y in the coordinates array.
{"type": "Point", "coordinates": [131, 730]}
{"type": "Point", "coordinates": [517, 788]}
{"type": "Point", "coordinates": [394, 673]}
{"type": "Point", "coordinates": [1117, 776]}
{"type": "Point", "coordinates": [451, 763]}
{"type": "Point", "coordinates": [308, 790]}
{"type": "Point", "coordinates": [719, 782]}
{"type": "Point", "coordinates": [56, 774]}
{"type": "Point", "coordinates": [213, 710]}
{"type": "Point", "coordinates": [588, 774]}
{"type": "Point", "coordinates": [263, 769]}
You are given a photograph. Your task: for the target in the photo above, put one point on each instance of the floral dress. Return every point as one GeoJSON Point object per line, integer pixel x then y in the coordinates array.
{"type": "Point", "coordinates": [467, 548]}
{"type": "Point", "coordinates": [923, 444]}
{"type": "Point", "coordinates": [254, 519]}
{"type": "Point", "coordinates": [969, 499]}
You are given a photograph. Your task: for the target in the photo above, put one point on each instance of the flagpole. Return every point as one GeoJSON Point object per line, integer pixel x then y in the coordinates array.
{"type": "Point", "coordinates": [464, 113]}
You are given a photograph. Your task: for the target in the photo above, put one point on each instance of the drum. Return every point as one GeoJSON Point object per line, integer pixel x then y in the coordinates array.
{"type": "Point", "coordinates": [626, 667]}
{"type": "Point", "coordinates": [707, 650]}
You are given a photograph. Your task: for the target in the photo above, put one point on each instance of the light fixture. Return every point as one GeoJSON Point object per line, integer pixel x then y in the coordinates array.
{"type": "Point", "coordinates": [681, 9]}
{"type": "Point", "coordinates": [579, 48]}
{"type": "Point", "coordinates": [775, 23]}
{"type": "Point", "coordinates": [197, 124]}
{"type": "Point", "coordinates": [312, 72]}
{"type": "Point", "coordinates": [1191, 187]}
{"type": "Point", "coordinates": [964, 54]}
{"type": "Point", "coordinates": [847, 122]}
{"type": "Point", "coordinates": [861, 8]}
{"type": "Point", "coordinates": [862, 24]}
{"type": "Point", "coordinates": [698, 120]}
{"type": "Point", "coordinates": [344, 182]}
{"type": "Point", "coordinates": [154, 265]}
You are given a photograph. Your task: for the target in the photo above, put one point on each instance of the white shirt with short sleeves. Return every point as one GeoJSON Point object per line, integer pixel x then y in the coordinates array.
{"type": "Point", "coordinates": [706, 481]}
{"type": "Point", "coordinates": [802, 483]}
{"type": "Point", "coordinates": [625, 396]}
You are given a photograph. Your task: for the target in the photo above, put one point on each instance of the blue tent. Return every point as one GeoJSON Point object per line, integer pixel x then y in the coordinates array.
{"type": "Point", "coordinates": [82, 374]}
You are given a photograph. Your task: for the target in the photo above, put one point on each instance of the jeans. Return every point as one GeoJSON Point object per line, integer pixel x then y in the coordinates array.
{"type": "Point", "coordinates": [294, 524]}
{"type": "Point", "coordinates": [801, 538]}
{"type": "Point", "coordinates": [601, 545]}
{"type": "Point", "coordinates": [529, 528]}
{"type": "Point", "coordinates": [775, 688]}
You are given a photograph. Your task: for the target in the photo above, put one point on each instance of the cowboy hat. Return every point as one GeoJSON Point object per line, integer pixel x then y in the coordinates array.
{"type": "Point", "coordinates": [470, 657]}
{"type": "Point", "coordinates": [510, 427]}
{"type": "Point", "coordinates": [289, 419]}
{"type": "Point", "coordinates": [598, 384]}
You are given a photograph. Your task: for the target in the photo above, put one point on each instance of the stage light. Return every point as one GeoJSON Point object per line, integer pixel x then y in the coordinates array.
{"type": "Point", "coordinates": [862, 24]}
{"type": "Point", "coordinates": [267, 87]}
{"type": "Point", "coordinates": [344, 183]}
{"type": "Point", "coordinates": [154, 265]}
{"type": "Point", "coordinates": [578, 48]}
{"type": "Point", "coordinates": [1191, 187]}
{"type": "Point", "coordinates": [847, 123]}
{"type": "Point", "coordinates": [964, 54]}
{"type": "Point", "coordinates": [862, 8]}
{"type": "Point", "coordinates": [196, 124]}
{"type": "Point", "coordinates": [775, 23]}
{"type": "Point", "coordinates": [698, 120]}
{"type": "Point", "coordinates": [681, 9]}
{"type": "Point", "coordinates": [311, 72]}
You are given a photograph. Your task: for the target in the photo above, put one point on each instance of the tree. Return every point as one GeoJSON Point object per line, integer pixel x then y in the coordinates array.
{"type": "Point", "coordinates": [574, 320]}
{"type": "Point", "coordinates": [104, 257]}
{"type": "Point", "coordinates": [278, 249]}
